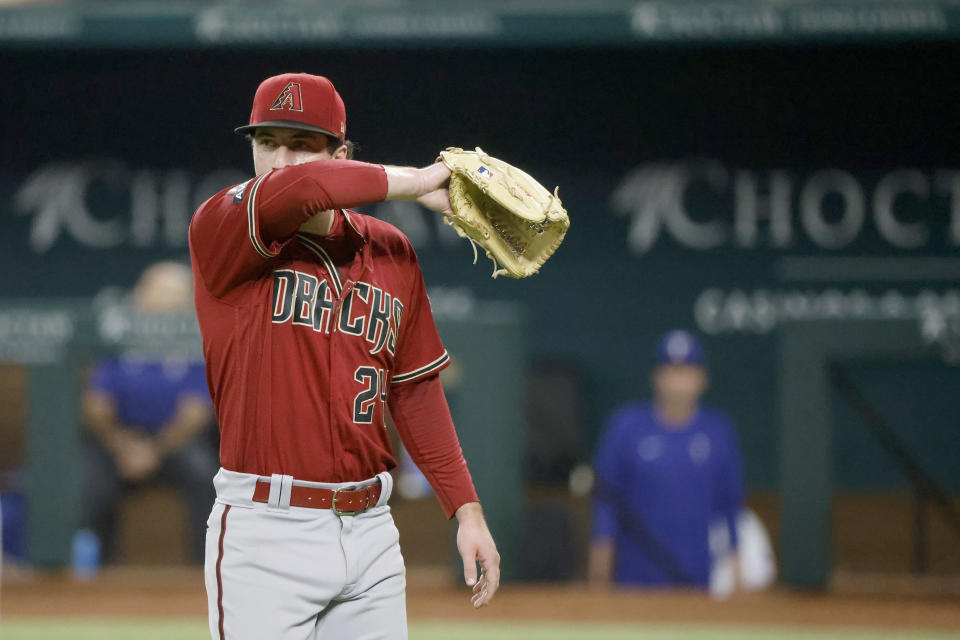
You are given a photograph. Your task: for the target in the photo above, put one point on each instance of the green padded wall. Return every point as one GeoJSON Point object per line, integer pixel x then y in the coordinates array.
{"type": "Point", "coordinates": [488, 352]}
{"type": "Point", "coordinates": [806, 351]}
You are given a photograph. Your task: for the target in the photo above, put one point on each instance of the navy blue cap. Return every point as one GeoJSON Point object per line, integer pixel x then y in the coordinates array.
{"type": "Point", "coordinates": [680, 347]}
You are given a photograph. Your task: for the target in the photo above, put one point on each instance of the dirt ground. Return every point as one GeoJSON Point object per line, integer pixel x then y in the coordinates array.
{"type": "Point", "coordinates": [129, 592]}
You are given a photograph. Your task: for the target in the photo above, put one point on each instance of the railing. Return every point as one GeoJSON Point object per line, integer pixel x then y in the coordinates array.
{"type": "Point", "coordinates": [926, 489]}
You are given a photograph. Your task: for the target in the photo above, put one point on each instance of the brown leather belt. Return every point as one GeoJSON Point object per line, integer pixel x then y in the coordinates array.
{"type": "Point", "coordinates": [343, 502]}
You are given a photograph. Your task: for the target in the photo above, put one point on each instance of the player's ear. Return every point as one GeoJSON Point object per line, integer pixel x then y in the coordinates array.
{"type": "Point", "coordinates": [340, 153]}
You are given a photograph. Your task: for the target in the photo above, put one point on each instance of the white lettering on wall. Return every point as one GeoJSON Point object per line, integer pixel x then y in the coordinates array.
{"type": "Point", "coordinates": [948, 182]}
{"type": "Point", "coordinates": [813, 212]}
{"type": "Point", "coordinates": [56, 196]}
{"type": "Point", "coordinates": [830, 208]}
{"type": "Point", "coordinates": [751, 206]}
{"type": "Point", "coordinates": [721, 311]}
{"type": "Point", "coordinates": [653, 195]}
{"type": "Point", "coordinates": [142, 208]}
{"type": "Point", "coordinates": [892, 186]}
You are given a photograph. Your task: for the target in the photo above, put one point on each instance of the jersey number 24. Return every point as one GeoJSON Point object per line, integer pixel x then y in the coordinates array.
{"type": "Point", "coordinates": [375, 381]}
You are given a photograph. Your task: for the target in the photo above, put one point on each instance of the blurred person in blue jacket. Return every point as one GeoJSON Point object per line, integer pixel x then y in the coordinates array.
{"type": "Point", "coordinates": [148, 419]}
{"type": "Point", "coordinates": [664, 471]}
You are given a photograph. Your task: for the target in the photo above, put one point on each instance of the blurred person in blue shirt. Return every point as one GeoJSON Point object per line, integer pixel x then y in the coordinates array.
{"type": "Point", "coordinates": [149, 419]}
{"type": "Point", "coordinates": [664, 471]}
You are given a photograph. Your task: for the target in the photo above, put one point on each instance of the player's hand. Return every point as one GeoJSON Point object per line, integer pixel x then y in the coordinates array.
{"type": "Point", "coordinates": [435, 196]}
{"type": "Point", "coordinates": [476, 546]}
{"type": "Point", "coordinates": [137, 460]}
{"type": "Point", "coordinates": [435, 176]}
{"type": "Point", "coordinates": [600, 563]}
{"type": "Point", "coordinates": [438, 200]}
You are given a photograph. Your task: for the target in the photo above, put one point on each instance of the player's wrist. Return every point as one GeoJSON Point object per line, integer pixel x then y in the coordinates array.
{"type": "Point", "coordinates": [410, 183]}
{"type": "Point", "coordinates": [470, 513]}
{"type": "Point", "coordinates": [405, 183]}
{"type": "Point", "coordinates": [435, 176]}
{"type": "Point", "coordinates": [116, 439]}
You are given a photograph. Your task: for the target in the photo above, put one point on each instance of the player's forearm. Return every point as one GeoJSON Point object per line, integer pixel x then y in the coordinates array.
{"type": "Point", "coordinates": [288, 197]}
{"type": "Point", "coordinates": [469, 512]}
{"type": "Point", "coordinates": [423, 420]}
{"type": "Point", "coordinates": [449, 477]}
{"type": "Point", "coordinates": [409, 183]}
{"type": "Point", "coordinates": [193, 415]}
{"type": "Point", "coordinates": [100, 416]}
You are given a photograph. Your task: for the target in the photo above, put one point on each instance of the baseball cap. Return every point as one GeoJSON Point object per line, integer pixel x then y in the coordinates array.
{"type": "Point", "coordinates": [680, 347]}
{"type": "Point", "coordinates": [298, 101]}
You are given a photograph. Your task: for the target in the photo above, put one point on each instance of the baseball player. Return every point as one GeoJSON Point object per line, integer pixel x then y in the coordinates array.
{"type": "Point", "coordinates": [314, 318]}
{"type": "Point", "coordinates": [664, 471]}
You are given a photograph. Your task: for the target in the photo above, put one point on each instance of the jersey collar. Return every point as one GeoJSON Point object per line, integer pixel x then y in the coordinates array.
{"type": "Point", "coordinates": [342, 227]}
{"type": "Point", "coordinates": [352, 230]}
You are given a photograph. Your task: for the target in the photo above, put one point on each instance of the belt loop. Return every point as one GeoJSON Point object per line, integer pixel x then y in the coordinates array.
{"type": "Point", "coordinates": [386, 488]}
{"type": "Point", "coordinates": [286, 486]}
{"type": "Point", "coordinates": [280, 486]}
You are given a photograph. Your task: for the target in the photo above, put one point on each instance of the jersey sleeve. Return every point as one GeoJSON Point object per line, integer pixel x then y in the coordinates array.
{"type": "Point", "coordinates": [420, 352]}
{"type": "Point", "coordinates": [425, 425]}
{"type": "Point", "coordinates": [233, 233]}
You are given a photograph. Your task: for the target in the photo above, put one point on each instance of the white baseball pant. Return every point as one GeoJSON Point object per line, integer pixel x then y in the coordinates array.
{"type": "Point", "coordinates": [276, 572]}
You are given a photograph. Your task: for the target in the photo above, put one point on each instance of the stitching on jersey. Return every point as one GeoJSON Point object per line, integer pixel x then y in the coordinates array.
{"type": "Point", "coordinates": [433, 366]}
{"type": "Point", "coordinates": [325, 258]}
{"type": "Point", "coordinates": [252, 223]}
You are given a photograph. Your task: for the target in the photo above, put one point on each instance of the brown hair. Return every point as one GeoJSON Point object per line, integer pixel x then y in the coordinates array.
{"type": "Point", "coordinates": [336, 143]}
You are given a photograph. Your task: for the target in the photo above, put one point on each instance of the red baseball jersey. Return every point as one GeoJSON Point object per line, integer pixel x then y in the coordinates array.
{"type": "Point", "coordinates": [304, 335]}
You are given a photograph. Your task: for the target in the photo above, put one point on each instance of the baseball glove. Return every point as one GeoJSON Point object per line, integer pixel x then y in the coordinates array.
{"type": "Point", "coordinates": [512, 216]}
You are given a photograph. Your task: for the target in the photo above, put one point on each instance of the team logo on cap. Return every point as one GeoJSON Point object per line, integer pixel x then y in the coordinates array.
{"type": "Point", "coordinates": [679, 346]}
{"type": "Point", "coordinates": [289, 99]}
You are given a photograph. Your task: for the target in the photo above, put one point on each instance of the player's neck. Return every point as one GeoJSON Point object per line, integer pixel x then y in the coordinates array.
{"type": "Point", "coordinates": [319, 224]}
{"type": "Point", "coordinates": [676, 415]}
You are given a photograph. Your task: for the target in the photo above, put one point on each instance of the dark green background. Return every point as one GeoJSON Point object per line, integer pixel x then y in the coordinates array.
{"type": "Point", "coordinates": [582, 119]}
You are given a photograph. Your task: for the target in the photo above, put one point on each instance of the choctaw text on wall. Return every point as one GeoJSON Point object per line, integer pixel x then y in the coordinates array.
{"type": "Point", "coordinates": [704, 204]}
{"type": "Point", "coordinates": [698, 204]}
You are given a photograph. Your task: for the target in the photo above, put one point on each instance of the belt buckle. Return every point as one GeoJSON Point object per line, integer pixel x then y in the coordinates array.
{"type": "Point", "coordinates": [341, 512]}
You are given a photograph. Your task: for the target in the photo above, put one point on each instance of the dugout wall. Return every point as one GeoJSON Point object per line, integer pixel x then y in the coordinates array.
{"type": "Point", "coordinates": [806, 442]}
